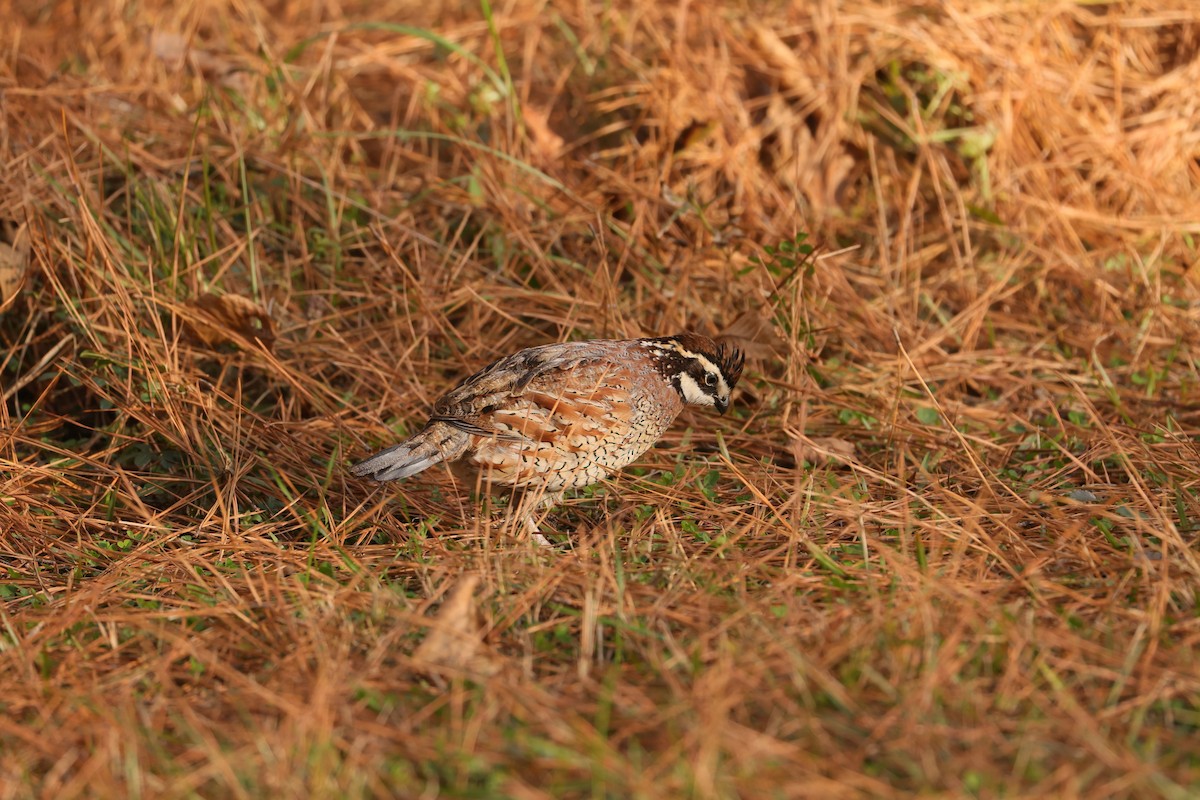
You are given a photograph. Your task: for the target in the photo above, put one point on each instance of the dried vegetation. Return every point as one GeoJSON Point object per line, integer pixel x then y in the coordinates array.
{"type": "Point", "coordinates": [947, 544]}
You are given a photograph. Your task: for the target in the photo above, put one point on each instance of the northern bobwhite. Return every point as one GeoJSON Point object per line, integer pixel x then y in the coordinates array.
{"type": "Point", "coordinates": [563, 416]}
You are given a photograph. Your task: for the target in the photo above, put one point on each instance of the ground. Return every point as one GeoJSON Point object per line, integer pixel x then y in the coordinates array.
{"type": "Point", "coordinates": [944, 544]}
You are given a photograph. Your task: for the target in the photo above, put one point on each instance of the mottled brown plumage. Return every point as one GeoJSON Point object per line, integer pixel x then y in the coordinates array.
{"type": "Point", "coordinates": [563, 416]}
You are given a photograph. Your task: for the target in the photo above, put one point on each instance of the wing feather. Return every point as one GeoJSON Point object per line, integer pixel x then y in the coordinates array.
{"type": "Point", "coordinates": [537, 367]}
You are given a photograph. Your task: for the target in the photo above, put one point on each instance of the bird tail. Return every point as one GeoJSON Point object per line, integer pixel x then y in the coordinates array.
{"type": "Point", "coordinates": [438, 442]}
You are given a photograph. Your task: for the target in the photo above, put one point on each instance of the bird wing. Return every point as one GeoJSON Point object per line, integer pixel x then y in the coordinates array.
{"type": "Point", "coordinates": [530, 384]}
{"type": "Point", "coordinates": [510, 376]}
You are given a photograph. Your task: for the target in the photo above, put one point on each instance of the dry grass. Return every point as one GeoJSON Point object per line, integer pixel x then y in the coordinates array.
{"type": "Point", "coordinates": [947, 544]}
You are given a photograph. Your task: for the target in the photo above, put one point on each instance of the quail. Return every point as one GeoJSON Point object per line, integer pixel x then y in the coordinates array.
{"type": "Point", "coordinates": [563, 416]}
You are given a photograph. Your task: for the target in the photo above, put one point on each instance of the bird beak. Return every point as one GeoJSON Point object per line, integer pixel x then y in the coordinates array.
{"type": "Point", "coordinates": [722, 405]}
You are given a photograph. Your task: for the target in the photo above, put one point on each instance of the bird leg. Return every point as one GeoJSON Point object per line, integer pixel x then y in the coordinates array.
{"type": "Point", "coordinates": [532, 528]}
{"type": "Point", "coordinates": [530, 514]}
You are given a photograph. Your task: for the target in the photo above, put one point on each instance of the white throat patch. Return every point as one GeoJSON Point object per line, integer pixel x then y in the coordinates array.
{"type": "Point", "coordinates": [692, 393]}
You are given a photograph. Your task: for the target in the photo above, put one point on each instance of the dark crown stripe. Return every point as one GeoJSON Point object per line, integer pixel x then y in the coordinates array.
{"type": "Point", "coordinates": [671, 359]}
{"type": "Point", "coordinates": [730, 361]}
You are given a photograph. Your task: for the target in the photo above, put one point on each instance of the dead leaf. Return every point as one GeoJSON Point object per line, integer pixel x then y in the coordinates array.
{"type": "Point", "coordinates": [823, 450]}
{"type": "Point", "coordinates": [176, 51]}
{"type": "Point", "coordinates": [755, 336]}
{"type": "Point", "coordinates": [229, 319]}
{"type": "Point", "coordinates": [817, 162]}
{"type": "Point", "coordinates": [695, 134]}
{"type": "Point", "coordinates": [14, 261]}
{"type": "Point", "coordinates": [169, 47]}
{"type": "Point", "coordinates": [455, 640]}
{"type": "Point", "coordinates": [791, 69]}
{"type": "Point", "coordinates": [544, 144]}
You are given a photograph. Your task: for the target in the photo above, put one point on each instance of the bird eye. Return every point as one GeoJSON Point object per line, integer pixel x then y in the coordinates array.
{"type": "Point", "coordinates": [710, 380]}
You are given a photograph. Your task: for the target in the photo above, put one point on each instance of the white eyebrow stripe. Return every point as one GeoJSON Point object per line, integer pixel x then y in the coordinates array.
{"type": "Point", "coordinates": [703, 359]}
